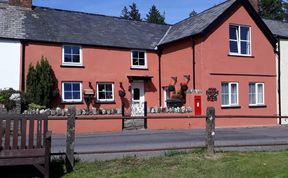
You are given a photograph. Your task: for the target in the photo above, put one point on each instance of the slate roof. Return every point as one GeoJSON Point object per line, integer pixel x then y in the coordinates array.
{"type": "Point", "coordinates": [278, 28]}
{"type": "Point", "coordinates": [51, 25]}
{"type": "Point", "coordinates": [196, 24]}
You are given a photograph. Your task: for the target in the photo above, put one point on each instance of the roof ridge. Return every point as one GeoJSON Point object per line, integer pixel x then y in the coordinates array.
{"type": "Point", "coordinates": [94, 14]}
{"type": "Point", "coordinates": [164, 36]}
{"type": "Point", "coordinates": [203, 11]}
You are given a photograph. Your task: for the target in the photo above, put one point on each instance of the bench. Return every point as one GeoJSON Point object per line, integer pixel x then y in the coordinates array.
{"type": "Point", "coordinates": [25, 141]}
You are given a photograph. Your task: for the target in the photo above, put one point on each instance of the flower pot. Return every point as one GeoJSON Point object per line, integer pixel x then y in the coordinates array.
{"type": "Point", "coordinates": [174, 103]}
{"type": "Point", "coordinates": [122, 93]}
{"type": "Point", "coordinates": [184, 87]}
{"type": "Point", "coordinates": [171, 88]}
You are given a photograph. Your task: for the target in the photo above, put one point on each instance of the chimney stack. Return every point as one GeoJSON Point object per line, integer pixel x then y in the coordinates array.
{"type": "Point", "coordinates": [255, 4]}
{"type": "Point", "coordinates": [22, 3]}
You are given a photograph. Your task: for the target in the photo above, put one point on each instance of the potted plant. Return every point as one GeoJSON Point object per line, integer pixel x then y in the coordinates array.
{"type": "Point", "coordinates": [176, 100]}
{"type": "Point", "coordinates": [184, 86]}
{"type": "Point", "coordinates": [122, 93]}
{"type": "Point", "coordinates": [171, 88]}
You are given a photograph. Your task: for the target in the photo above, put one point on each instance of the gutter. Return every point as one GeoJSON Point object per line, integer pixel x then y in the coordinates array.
{"type": "Point", "coordinates": [193, 60]}
{"type": "Point", "coordinates": [23, 66]}
{"type": "Point", "coordinates": [279, 80]}
{"type": "Point", "coordinates": [160, 76]}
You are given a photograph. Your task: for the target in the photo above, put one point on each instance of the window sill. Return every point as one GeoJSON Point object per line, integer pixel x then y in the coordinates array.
{"type": "Point", "coordinates": [240, 55]}
{"type": "Point", "coordinates": [105, 102]}
{"type": "Point", "coordinates": [230, 107]}
{"type": "Point", "coordinates": [257, 106]}
{"type": "Point", "coordinates": [139, 68]}
{"type": "Point", "coordinates": [71, 66]}
{"type": "Point", "coordinates": [72, 103]}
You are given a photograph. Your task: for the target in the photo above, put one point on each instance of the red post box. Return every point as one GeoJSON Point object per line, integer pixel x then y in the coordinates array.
{"type": "Point", "coordinates": [197, 105]}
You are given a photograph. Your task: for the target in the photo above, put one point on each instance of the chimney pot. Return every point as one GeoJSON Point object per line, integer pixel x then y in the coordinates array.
{"type": "Point", "coordinates": [22, 3]}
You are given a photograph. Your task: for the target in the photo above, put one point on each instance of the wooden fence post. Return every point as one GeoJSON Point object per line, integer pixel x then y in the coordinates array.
{"type": "Point", "coordinates": [145, 115]}
{"type": "Point", "coordinates": [210, 129]}
{"type": "Point", "coordinates": [70, 141]}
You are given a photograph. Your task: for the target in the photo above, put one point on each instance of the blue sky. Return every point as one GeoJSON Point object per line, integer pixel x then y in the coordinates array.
{"type": "Point", "coordinates": [174, 10]}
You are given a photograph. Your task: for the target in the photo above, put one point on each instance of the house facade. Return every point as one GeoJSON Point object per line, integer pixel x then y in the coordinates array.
{"type": "Point", "coordinates": [224, 55]}
{"type": "Point", "coordinates": [279, 29]}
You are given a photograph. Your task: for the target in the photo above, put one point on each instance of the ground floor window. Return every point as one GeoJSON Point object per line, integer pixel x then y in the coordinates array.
{"type": "Point", "coordinates": [105, 92]}
{"type": "Point", "coordinates": [229, 93]}
{"type": "Point", "coordinates": [256, 94]}
{"type": "Point", "coordinates": [72, 92]}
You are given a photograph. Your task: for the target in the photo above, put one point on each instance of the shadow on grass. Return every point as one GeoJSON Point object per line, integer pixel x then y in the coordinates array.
{"type": "Point", "coordinates": [58, 166]}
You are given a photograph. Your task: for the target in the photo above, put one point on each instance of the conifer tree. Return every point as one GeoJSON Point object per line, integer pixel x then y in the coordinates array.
{"type": "Point", "coordinates": [272, 9]}
{"type": "Point", "coordinates": [134, 13]}
{"type": "Point", "coordinates": [154, 16]}
{"type": "Point", "coordinates": [125, 13]}
{"type": "Point", "coordinates": [40, 83]}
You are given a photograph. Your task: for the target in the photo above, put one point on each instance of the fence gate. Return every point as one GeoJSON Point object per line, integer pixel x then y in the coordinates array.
{"type": "Point", "coordinates": [136, 120]}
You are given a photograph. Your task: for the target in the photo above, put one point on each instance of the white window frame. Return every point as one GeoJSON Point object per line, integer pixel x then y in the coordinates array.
{"type": "Point", "coordinates": [72, 100]}
{"type": "Point", "coordinates": [239, 40]}
{"type": "Point", "coordinates": [166, 96]}
{"type": "Point", "coordinates": [105, 100]}
{"type": "Point", "coordinates": [139, 66]}
{"type": "Point", "coordinates": [80, 63]}
{"type": "Point", "coordinates": [229, 94]}
{"type": "Point", "coordinates": [256, 94]}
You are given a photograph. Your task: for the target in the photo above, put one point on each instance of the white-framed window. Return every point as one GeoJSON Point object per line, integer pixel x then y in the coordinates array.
{"type": "Point", "coordinates": [229, 93]}
{"type": "Point", "coordinates": [138, 59]}
{"type": "Point", "coordinates": [240, 40]}
{"type": "Point", "coordinates": [105, 92]}
{"type": "Point", "coordinates": [72, 55]}
{"type": "Point", "coordinates": [71, 92]}
{"type": "Point", "coordinates": [256, 94]}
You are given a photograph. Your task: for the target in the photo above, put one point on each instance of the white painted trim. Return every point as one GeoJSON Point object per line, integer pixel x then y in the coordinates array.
{"type": "Point", "coordinates": [105, 100]}
{"type": "Point", "coordinates": [72, 100]}
{"type": "Point", "coordinates": [139, 66]}
{"type": "Point", "coordinates": [72, 63]}
{"type": "Point", "coordinates": [239, 40]}
{"type": "Point", "coordinates": [229, 94]}
{"type": "Point", "coordinates": [256, 93]}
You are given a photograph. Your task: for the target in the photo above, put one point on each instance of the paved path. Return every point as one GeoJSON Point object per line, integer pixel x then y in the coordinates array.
{"type": "Point", "coordinates": [148, 139]}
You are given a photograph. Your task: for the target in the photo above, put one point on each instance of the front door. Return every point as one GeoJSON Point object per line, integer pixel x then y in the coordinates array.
{"type": "Point", "coordinates": [138, 99]}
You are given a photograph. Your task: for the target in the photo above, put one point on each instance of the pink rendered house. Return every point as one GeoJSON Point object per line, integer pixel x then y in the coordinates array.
{"type": "Point", "coordinates": [224, 55]}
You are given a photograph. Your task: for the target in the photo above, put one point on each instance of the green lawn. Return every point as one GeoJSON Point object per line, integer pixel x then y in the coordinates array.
{"type": "Point", "coordinates": [194, 164]}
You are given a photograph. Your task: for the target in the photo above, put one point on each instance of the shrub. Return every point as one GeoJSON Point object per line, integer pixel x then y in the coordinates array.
{"type": "Point", "coordinates": [40, 84]}
{"type": "Point", "coordinates": [5, 98]}
{"type": "Point", "coordinates": [33, 106]}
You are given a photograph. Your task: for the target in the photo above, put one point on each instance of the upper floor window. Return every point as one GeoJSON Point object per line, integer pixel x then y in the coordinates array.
{"type": "Point", "coordinates": [72, 55]}
{"type": "Point", "coordinates": [256, 94]}
{"type": "Point", "coordinates": [105, 92]}
{"type": "Point", "coordinates": [240, 40]}
{"type": "Point", "coordinates": [229, 94]}
{"type": "Point", "coordinates": [138, 59]}
{"type": "Point", "coordinates": [72, 92]}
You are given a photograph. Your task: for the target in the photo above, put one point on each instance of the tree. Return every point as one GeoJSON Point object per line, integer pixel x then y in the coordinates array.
{"type": "Point", "coordinates": [5, 98]}
{"type": "Point", "coordinates": [272, 9]}
{"type": "Point", "coordinates": [134, 12]}
{"type": "Point", "coordinates": [154, 16]}
{"type": "Point", "coordinates": [193, 13]}
{"type": "Point", "coordinates": [40, 83]}
{"type": "Point", "coordinates": [125, 13]}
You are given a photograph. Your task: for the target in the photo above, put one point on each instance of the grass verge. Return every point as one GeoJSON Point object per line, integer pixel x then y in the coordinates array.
{"type": "Point", "coordinates": [193, 164]}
